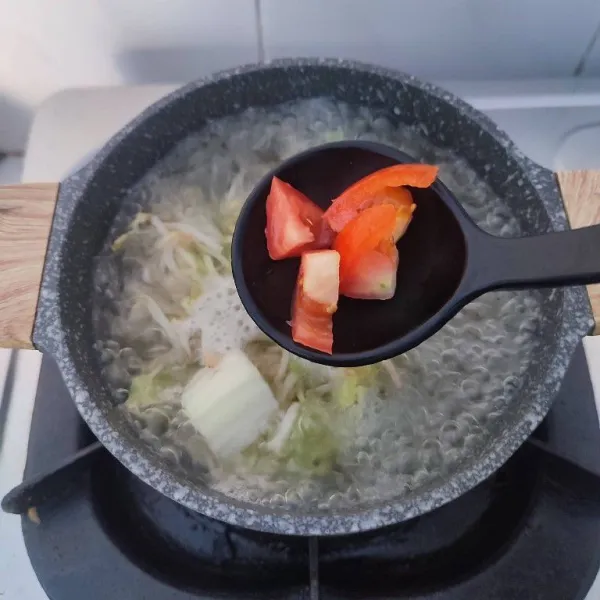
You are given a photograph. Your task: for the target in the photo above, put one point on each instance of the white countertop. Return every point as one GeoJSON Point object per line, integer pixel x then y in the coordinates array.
{"type": "Point", "coordinates": [73, 124]}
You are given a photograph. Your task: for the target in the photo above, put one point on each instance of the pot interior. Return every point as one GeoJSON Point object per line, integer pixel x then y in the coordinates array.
{"type": "Point", "coordinates": [479, 165]}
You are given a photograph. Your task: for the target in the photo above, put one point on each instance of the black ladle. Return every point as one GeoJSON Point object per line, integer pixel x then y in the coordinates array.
{"type": "Point", "coordinates": [445, 260]}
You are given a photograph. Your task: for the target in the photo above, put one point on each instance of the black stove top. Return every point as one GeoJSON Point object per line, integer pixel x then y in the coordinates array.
{"type": "Point", "coordinates": [532, 531]}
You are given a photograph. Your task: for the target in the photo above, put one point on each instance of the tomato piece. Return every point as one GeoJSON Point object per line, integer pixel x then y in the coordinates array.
{"type": "Point", "coordinates": [360, 195]}
{"type": "Point", "coordinates": [401, 199]}
{"type": "Point", "coordinates": [315, 300]}
{"type": "Point", "coordinates": [363, 234]}
{"type": "Point", "coordinates": [324, 235]}
{"type": "Point", "coordinates": [373, 276]}
{"type": "Point", "coordinates": [294, 223]}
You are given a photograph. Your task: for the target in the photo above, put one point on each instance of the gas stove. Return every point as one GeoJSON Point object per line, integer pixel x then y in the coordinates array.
{"type": "Point", "coordinates": [530, 531]}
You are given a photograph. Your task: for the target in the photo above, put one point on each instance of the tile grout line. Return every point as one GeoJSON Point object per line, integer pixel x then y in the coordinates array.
{"type": "Point", "coordinates": [580, 68]}
{"type": "Point", "coordinates": [259, 31]}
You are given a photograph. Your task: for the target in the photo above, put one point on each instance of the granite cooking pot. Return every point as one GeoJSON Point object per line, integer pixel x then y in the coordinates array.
{"type": "Point", "coordinates": [50, 234]}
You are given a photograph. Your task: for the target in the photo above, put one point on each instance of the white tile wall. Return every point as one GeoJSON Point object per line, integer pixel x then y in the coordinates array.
{"type": "Point", "coordinates": [179, 40]}
{"type": "Point", "coordinates": [46, 46]}
{"type": "Point", "coordinates": [437, 39]}
{"type": "Point", "coordinates": [11, 168]}
{"type": "Point", "coordinates": [580, 149]}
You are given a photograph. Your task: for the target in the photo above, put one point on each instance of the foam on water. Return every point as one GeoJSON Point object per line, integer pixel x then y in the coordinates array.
{"type": "Point", "coordinates": [219, 316]}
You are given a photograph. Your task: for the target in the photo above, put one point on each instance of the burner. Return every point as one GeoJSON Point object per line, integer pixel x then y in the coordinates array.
{"type": "Point", "coordinates": [530, 531]}
{"type": "Point", "coordinates": [435, 551]}
{"type": "Point", "coordinates": [190, 550]}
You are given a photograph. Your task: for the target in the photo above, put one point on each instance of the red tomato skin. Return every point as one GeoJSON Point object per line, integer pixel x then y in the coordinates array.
{"type": "Point", "coordinates": [364, 233]}
{"type": "Point", "coordinates": [373, 277]}
{"type": "Point", "coordinates": [359, 195]}
{"type": "Point", "coordinates": [309, 328]}
{"type": "Point", "coordinates": [294, 223]}
{"type": "Point", "coordinates": [312, 316]}
{"type": "Point", "coordinates": [401, 199]}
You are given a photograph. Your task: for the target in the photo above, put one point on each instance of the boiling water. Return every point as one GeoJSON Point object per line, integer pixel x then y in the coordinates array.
{"type": "Point", "coordinates": [442, 398]}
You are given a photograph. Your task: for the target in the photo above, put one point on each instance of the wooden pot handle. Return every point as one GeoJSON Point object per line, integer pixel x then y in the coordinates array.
{"type": "Point", "coordinates": [581, 194]}
{"type": "Point", "coordinates": [26, 213]}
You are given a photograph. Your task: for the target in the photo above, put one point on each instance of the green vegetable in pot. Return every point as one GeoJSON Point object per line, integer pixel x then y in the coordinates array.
{"type": "Point", "coordinates": [145, 388]}
{"type": "Point", "coordinates": [354, 384]}
{"type": "Point", "coordinates": [312, 445]}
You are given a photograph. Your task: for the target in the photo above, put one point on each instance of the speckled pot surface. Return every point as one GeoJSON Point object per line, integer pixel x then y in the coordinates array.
{"type": "Point", "coordinates": [90, 199]}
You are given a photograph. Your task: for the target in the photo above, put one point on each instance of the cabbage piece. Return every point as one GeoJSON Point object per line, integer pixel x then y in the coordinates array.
{"type": "Point", "coordinates": [230, 405]}
{"type": "Point", "coordinates": [309, 374]}
{"type": "Point", "coordinates": [350, 392]}
{"type": "Point", "coordinates": [312, 445]}
{"type": "Point", "coordinates": [141, 218]}
{"type": "Point", "coordinates": [354, 384]}
{"type": "Point", "coordinates": [145, 388]}
{"type": "Point", "coordinates": [284, 429]}
{"type": "Point", "coordinates": [335, 135]}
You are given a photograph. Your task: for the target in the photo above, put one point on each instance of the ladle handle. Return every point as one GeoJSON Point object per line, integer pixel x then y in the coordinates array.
{"type": "Point", "coordinates": [26, 213]}
{"type": "Point", "coordinates": [550, 260]}
{"type": "Point", "coordinates": [564, 258]}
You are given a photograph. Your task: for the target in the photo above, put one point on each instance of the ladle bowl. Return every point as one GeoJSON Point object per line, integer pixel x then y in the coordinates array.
{"type": "Point", "coordinates": [445, 260]}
